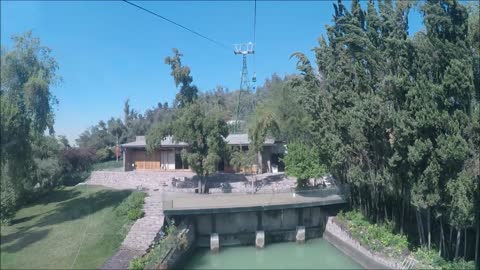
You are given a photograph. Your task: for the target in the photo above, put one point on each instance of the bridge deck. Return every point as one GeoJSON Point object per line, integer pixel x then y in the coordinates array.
{"type": "Point", "coordinates": [188, 204]}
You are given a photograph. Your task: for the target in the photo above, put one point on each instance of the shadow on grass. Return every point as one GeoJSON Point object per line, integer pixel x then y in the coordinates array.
{"type": "Point", "coordinates": [25, 240]}
{"type": "Point", "coordinates": [60, 195]}
{"type": "Point", "coordinates": [71, 207]}
{"type": "Point", "coordinates": [80, 207]}
{"type": "Point", "coordinates": [21, 220]}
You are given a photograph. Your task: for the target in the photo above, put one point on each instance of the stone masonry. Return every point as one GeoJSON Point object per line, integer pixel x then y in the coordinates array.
{"type": "Point", "coordinates": [142, 234]}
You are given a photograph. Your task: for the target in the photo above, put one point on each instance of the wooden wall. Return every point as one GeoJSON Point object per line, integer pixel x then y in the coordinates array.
{"type": "Point", "coordinates": [158, 160]}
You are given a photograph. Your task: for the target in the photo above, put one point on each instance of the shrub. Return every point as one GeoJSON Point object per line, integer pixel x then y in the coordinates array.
{"type": "Point", "coordinates": [104, 154]}
{"type": "Point", "coordinates": [303, 162]}
{"type": "Point", "coordinates": [8, 199]}
{"type": "Point", "coordinates": [47, 173]}
{"type": "Point", "coordinates": [75, 164]}
{"type": "Point", "coordinates": [137, 264]}
{"type": "Point", "coordinates": [76, 159]}
{"type": "Point", "coordinates": [134, 214]}
{"type": "Point", "coordinates": [431, 258]}
{"type": "Point", "coordinates": [131, 208]}
{"type": "Point", "coordinates": [379, 238]}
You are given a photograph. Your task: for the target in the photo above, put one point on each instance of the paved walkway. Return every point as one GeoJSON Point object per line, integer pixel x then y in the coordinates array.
{"type": "Point", "coordinates": [142, 234]}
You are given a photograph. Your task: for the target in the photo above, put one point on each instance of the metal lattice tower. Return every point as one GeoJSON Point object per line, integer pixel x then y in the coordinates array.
{"type": "Point", "coordinates": [244, 49]}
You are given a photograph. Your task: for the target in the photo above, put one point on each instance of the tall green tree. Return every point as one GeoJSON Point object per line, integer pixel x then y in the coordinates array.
{"type": "Point", "coordinates": [194, 123]}
{"type": "Point", "coordinates": [28, 71]}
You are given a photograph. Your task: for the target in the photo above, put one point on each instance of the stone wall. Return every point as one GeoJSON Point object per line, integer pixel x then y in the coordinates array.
{"type": "Point", "coordinates": [176, 256]}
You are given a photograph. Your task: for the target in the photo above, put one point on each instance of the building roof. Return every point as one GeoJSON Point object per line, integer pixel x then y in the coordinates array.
{"type": "Point", "coordinates": [232, 139]}
{"type": "Point", "coordinates": [242, 139]}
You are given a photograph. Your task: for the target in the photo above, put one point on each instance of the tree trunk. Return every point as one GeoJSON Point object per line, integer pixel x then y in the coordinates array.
{"type": "Point", "coordinates": [442, 238]}
{"type": "Point", "coordinates": [429, 229]}
{"type": "Point", "coordinates": [465, 245]}
{"type": "Point", "coordinates": [422, 227]}
{"type": "Point", "coordinates": [457, 246]}
{"type": "Point", "coordinates": [450, 245]}
{"type": "Point", "coordinates": [419, 227]}
{"type": "Point", "coordinates": [202, 182]}
{"type": "Point", "coordinates": [477, 240]}
{"type": "Point", "coordinates": [386, 211]}
{"type": "Point", "coordinates": [402, 214]}
{"type": "Point", "coordinates": [393, 215]}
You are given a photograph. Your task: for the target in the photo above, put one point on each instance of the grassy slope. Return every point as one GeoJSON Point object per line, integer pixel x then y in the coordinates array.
{"type": "Point", "coordinates": [73, 226]}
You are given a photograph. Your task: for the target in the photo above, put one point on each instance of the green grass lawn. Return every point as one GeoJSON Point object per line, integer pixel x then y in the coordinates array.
{"type": "Point", "coordinates": [72, 227]}
{"type": "Point", "coordinates": [108, 165]}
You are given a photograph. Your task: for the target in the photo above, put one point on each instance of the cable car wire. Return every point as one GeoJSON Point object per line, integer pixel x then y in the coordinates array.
{"type": "Point", "coordinates": [179, 25]}
{"type": "Point", "coordinates": [254, 21]}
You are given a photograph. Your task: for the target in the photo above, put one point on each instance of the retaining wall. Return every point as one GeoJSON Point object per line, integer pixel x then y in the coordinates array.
{"type": "Point", "coordinates": [352, 248]}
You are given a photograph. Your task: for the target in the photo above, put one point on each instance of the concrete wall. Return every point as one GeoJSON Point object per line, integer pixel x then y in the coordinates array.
{"type": "Point", "coordinates": [350, 247]}
{"type": "Point", "coordinates": [240, 228]}
{"type": "Point", "coordinates": [175, 257]}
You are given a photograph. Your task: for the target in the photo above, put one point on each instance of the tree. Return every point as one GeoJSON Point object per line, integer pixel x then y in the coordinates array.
{"type": "Point", "coordinates": [181, 74]}
{"type": "Point", "coordinates": [394, 116]}
{"type": "Point", "coordinates": [195, 124]}
{"type": "Point", "coordinates": [27, 73]}
{"type": "Point", "coordinates": [303, 162]}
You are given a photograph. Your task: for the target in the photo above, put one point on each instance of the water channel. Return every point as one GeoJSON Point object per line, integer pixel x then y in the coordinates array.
{"type": "Point", "coordinates": [314, 254]}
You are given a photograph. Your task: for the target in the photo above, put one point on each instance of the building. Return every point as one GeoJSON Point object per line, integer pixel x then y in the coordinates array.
{"type": "Point", "coordinates": [167, 156]}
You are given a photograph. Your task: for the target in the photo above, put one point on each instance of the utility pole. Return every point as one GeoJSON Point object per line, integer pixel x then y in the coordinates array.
{"type": "Point", "coordinates": [243, 49]}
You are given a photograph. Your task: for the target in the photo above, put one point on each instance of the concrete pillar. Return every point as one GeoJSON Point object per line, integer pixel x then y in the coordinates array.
{"type": "Point", "coordinates": [260, 239]}
{"type": "Point", "coordinates": [300, 234]}
{"type": "Point", "coordinates": [214, 242]}
{"type": "Point", "coordinates": [259, 221]}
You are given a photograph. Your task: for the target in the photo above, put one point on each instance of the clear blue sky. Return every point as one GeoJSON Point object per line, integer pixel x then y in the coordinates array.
{"type": "Point", "coordinates": [109, 51]}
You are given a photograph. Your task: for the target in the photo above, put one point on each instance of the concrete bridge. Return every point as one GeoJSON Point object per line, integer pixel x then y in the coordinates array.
{"type": "Point", "coordinates": [241, 219]}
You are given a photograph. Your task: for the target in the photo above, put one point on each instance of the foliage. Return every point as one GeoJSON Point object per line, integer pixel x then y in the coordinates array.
{"type": "Point", "coordinates": [171, 240]}
{"type": "Point", "coordinates": [132, 207]}
{"type": "Point", "coordinates": [135, 214]}
{"type": "Point", "coordinates": [105, 166]}
{"type": "Point", "coordinates": [241, 159]}
{"type": "Point", "coordinates": [431, 258]}
{"type": "Point", "coordinates": [137, 263]}
{"type": "Point", "coordinates": [181, 75]}
{"type": "Point", "coordinates": [104, 154]}
{"type": "Point", "coordinates": [394, 115]}
{"type": "Point", "coordinates": [27, 72]}
{"type": "Point", "coordinates": [194, 123]}
{"type": "Point", "coordinates": [379, 238]}
{"type": "Point", "coordinates": [303, 162]}
{"type": "Point", "coordinates": [76, 159]}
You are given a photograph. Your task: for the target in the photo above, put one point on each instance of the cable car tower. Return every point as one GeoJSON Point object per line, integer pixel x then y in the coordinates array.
{"type": "Point", "coordinates": [243, 49]}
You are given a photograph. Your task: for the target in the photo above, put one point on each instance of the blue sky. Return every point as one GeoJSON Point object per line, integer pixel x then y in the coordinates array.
{"type": "Point", "coordinates": [109, 51]}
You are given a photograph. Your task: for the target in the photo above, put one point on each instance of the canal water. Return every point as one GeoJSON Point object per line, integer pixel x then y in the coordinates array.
{"type": "Point", "coordinates": [314, 254]}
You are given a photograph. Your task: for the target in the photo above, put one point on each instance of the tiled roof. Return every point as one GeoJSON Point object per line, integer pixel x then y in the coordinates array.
{"type": "Point", "coordinates": [232, 139]}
